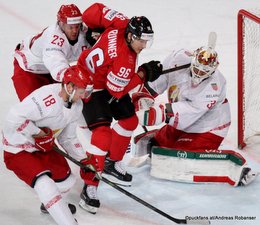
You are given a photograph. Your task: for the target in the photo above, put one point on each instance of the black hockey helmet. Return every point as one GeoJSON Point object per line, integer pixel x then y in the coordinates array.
{"type": "Point", "coordinates": [141, 27]}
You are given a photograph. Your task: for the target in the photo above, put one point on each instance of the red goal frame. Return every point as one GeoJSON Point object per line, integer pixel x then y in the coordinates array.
{"type": "Point", "coordinates": [240, 50]}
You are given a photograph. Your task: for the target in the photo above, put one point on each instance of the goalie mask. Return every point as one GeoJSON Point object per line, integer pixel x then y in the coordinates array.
{"type": "Point", "coordinates": [203, 64]}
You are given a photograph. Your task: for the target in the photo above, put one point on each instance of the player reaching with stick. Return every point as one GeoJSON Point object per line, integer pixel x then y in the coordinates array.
{"type": "Point", "coordinates": [30, 129]}
{"type": "Point", "coordinates": [111, 66]}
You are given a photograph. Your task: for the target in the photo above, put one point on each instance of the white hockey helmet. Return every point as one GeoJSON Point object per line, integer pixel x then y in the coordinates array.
{"type": "Point", "coordinates": [203, 64]}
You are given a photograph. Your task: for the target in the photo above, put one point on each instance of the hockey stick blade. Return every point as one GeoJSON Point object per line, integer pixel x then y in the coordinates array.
{"type": "Point", "coordinates": [175, 220]}
{"type": "Point", "coordinates": [138, 161]}
{"type": "Point", "coordinates": [176, 68]}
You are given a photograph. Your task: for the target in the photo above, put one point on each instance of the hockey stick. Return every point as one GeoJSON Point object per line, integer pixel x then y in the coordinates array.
{"type": "Point", "coordinates": [212, 38]}
{"type": "Point", "coordinates": [175, 68]}
{"type": "Point", "coordinates": [175, 220]}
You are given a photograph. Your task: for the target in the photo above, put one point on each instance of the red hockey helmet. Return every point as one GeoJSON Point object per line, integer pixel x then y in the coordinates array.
{"type": "Point", "coordinates": [69, 14]}
{"type": "Point", "coordinates": [74, 75]}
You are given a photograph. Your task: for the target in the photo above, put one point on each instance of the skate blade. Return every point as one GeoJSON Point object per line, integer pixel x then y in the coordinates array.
{"type": "Point", "coordinates": [114, 180]}
{"type": "Point", "coordinates": [90, 209]}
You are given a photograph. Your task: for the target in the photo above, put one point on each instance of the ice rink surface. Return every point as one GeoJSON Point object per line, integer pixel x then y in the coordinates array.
{"type": "Point", "coordinates": [176, 24]}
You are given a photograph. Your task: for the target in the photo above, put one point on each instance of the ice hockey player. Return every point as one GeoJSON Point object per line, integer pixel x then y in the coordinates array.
{"type": "Point", "coordinates": [44, 58]}
{"type": "Point", "coordinates": [29, 133]}
{"type": "Point", "coordinates": [198, 118]}
{"type": "Point", "coordinates": [111, 66]}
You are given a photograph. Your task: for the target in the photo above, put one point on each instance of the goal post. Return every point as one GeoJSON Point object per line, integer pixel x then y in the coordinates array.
{"type": "Point", "coordinates": [248, 50]}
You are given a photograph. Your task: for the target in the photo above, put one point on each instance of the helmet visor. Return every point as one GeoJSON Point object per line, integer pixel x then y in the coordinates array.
{"type": "Point", "coordinates": [83, 93]}
{"type": "Point", "coordinates": [147, 36]}
{"type": "Point", "coordinates": [146, 39]}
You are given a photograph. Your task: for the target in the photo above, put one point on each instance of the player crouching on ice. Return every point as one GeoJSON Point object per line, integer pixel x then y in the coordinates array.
{"type": "Point", "coordinates": [198, 117]}
{"type": "Point", "coordinates": [30, 129]}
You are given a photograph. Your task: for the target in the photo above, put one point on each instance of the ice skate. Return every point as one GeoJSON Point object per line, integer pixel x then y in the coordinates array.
{"type": "Point", "coordinates": [115, 172]}
{"type": "Point", "coordinates": [89, 200]}
{"type": "Point", "coordinates": [72, 208]}
{"type": "Point", "coordinates": [247, 176]}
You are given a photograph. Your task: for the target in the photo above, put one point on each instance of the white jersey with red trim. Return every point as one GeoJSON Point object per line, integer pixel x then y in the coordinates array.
{"type": "Point", "coordinates": [50, 52]}
{"type": "Point", "coordinates": [43, 108]}
{"type": "Point", "coordinates": [197, 109]}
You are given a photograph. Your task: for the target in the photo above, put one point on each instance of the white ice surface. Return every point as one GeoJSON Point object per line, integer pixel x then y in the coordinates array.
{"type": "Point", "coordinates": [176, 24]}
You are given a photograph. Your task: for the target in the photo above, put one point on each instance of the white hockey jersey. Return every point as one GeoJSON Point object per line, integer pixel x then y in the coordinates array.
{"type": "Point", "coordinates": [50, 52]}
{"type": "Point", "coordinates": [197, 109]}
{"type": "Point", "coordinates": [43, 108]}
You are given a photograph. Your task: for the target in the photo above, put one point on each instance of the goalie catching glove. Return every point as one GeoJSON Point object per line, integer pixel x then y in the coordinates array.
{"type": "Point", "coordinates": [91, 172]}
{"type": "Point", "coordinates": [152, 70]}
{"type": "Point", "coordinates": [148, 113]}
{"type": "Point", "coordinates": [44, 141]}
{"type": "Point", "coordinates": [142, 100]}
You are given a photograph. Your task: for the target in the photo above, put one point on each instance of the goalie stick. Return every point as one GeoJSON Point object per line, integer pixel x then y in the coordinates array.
{"type": "Point", "coordinates": [212, 39]}
{"type": "Point", "coordinates": [175, 68]}
{"type": "Point", "coordinates": [175, 220]}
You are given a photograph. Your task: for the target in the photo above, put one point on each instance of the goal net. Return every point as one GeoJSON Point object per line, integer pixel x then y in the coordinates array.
{"type": "Point", "coordinates": [248, 75]}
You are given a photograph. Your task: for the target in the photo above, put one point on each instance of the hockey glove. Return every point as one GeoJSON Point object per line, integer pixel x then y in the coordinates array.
{"type": "Point", "coordinates": [152, 116]}
{"type": "Point", "coordinates": [152, 70]}
{"type": "Point", "coordinates": [44, 142]}
{"type": "Point", "coordinates": [91, 172]}
{"type": "Point", "coordinates": [168, 112]}
{"type": "Point", "coordinates": [142, 100]}
{"type": "Point", "coordinates": [92, 35]}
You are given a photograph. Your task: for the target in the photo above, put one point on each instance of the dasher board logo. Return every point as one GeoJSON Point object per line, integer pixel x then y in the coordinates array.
{"type": "Point", "coordinates": [182, 154]}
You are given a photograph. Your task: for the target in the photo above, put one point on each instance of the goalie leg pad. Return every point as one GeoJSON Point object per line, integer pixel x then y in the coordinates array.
{"type": "Point", "coordinates": [141, 150]}
{"type": "Point", "coordinates": [188, 166]}
{"type": "Point", "coordinates": [142, 143]}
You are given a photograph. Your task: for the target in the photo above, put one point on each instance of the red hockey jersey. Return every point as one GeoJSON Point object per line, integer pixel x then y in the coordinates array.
{"type": "Point", "coordinates": [110, 64]}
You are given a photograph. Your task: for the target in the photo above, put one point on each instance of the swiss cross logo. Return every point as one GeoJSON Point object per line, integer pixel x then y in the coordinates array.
{"type": "Point", "coordinates": [214, 86]}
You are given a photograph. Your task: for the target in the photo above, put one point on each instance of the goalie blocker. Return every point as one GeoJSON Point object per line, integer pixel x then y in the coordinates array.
{"type": "Point", "coordinates": [205, 166]}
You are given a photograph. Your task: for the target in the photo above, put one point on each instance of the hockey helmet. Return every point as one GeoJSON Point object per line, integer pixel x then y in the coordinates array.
{"type": "Point", "coordinates": [203, 64]}
{"type": "Point", "coordinates": [140, 27]}
{"type": "Point", "coordinates": [76, 77]}
{"type": "Point", "coordinates": [69, 14]}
